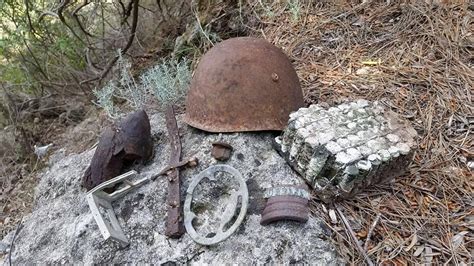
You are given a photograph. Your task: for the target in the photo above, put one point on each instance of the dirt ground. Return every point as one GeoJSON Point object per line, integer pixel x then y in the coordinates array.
{"type": "Point", "coordinates": [417, 59]}
{"type": "Point", "coordinates": [18, 180]}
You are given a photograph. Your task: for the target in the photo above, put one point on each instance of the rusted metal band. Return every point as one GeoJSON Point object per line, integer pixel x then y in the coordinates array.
{"type": "Point", "coordinates": [279, 208]}
{"type": "Point", "coordinates": [174, 219]}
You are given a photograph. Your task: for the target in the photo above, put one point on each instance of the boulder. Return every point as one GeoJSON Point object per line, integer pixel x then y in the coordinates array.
{"type": "Point", "coordinates": [61, 228]}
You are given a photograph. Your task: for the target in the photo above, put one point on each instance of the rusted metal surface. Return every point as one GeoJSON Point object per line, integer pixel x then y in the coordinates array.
{"type": "Point", "coordinates": [119, 146]}
{"type": "Point", "coordinates": [174, 219]}
{"type": "Point", "coordinates": [221, 151]}
{"type": "Point", "coordinates": [285, 207]}
{"type": "Point", "coordinates": [243, 84]}
{"type": "Point", "coordinates": [193, 161]}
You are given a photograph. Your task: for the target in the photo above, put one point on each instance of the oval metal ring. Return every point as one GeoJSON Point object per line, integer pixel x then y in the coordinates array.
{"type": "Point", "coordinates": [229, 210]}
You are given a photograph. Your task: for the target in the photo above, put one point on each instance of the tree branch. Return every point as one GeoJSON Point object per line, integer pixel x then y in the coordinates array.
{"type": "Point", "coordinates": [61, 8]}
{"type": "Point", "coordinates": [37, 64]}
{"type": "Point", "coordinates": [125, 49]}
{"type": "Point", "coordinates": [76, 17]}
{"type": "Point", "coordinates": [27, 9]}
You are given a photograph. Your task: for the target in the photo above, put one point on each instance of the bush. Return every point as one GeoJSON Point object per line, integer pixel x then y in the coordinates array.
{"type": "Point", "coordinates": [167, 81]}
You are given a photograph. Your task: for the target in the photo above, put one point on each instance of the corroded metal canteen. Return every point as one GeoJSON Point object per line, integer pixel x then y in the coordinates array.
{"type": "Point", "coordinates": [243, 84]}
{"type": "Point", "coordinates": [229, 212]}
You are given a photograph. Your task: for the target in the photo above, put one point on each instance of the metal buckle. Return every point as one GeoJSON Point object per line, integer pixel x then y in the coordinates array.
{"type": "Point", "coordinates": [229, 211]}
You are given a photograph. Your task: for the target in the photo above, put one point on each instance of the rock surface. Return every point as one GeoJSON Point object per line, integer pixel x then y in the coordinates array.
{"type": "Point", "coordinates": [61, 228]}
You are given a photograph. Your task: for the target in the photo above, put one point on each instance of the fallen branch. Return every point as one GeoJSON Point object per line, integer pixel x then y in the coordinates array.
{"type": "Point", "coordinates": [371, 231]}
{"type": "Point", "coordinates": [353, 236]}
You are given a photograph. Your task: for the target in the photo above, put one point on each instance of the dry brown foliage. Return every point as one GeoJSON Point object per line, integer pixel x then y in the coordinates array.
{"type": "Point", "coordinates": [416, 58]}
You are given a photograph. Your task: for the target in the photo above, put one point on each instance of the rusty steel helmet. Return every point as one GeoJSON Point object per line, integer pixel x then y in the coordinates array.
{"type": "Point", "coordinates": [243, 84]}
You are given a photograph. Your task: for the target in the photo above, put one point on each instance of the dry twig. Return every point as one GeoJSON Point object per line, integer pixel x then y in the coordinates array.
{"type": "Point", "coordinates": [353, 236]}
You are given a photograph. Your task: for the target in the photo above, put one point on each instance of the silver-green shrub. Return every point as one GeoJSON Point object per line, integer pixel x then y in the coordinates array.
{"type": "Point", "coordinates": [168, 81]}
{"type": "Point", "coordinates": [134, 94]}
{"type": "Point", "coordinates": [105, 99]}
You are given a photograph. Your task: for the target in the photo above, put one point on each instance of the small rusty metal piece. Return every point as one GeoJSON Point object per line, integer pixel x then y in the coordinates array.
{"type": "Point", "coordinates": [191, 162]}
{"type": "Point", "coordinates": [243, 84]}
{"type": "Point", "coordinates": [286, 203]}
{"type": "Point", "coordinates": [174, 225]}
{"type": "Point", "coordinates": [118, 146]}
{"type": "Point", "coordinates": [221, 151]}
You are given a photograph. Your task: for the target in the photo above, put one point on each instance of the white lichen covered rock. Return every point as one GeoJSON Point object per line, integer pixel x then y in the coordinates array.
{"type": "Point", "coordinates": [341, 150]}
{"type": "Point", "coordinates": [62, 230]}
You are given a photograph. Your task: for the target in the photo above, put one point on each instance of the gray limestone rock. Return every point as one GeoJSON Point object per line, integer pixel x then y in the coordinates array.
{"type": "Point", "coordinates": [341, 150]}
{"type": "Point", "coordinates": [61, 228]}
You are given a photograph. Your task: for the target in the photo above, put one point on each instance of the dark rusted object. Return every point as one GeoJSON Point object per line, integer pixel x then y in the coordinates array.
{"type": "Point", "coordinates": [174, 219]}
{"type": "Point", "coordinates": [243, 84]}
{"type": "Point", "coordinates": [221, 151]}
{"type": "Point", "coordinates": [118, 147]}
{"type": "Point", "coordinates": [191, 162]}
{"type": "Point", "coordinates": [280, 208]}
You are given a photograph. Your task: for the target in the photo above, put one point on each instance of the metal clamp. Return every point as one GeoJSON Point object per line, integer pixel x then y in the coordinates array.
{"type": "Point", "coordinates": [229, 211]}
{"type": "Point", "coordinates": [97, 197]}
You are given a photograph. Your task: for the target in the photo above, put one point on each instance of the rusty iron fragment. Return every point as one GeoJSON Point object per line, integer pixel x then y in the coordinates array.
{"type": "Point", "coordinates": [191, 162]}
{"type": "Point", "coordinates": [221, 151]}
{"type": "Point", "coordinates": [243, 84]}
{"type": "Point", "coordinates": [286, 203]}
{"type": "Point", "coordinates": [285, 208]}
{"type": "Point", "coordinates": [174, 219]}
{"type": "Point", "coordinates": [120, 146]}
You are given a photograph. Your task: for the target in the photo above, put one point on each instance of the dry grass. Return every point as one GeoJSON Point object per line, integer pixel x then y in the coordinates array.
{"type": "Point", "coordinates": [417, 59]}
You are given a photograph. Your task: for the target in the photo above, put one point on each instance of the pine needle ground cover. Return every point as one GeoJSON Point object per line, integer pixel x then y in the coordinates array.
{"type": "Point", "coordinates": [417, 59]}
